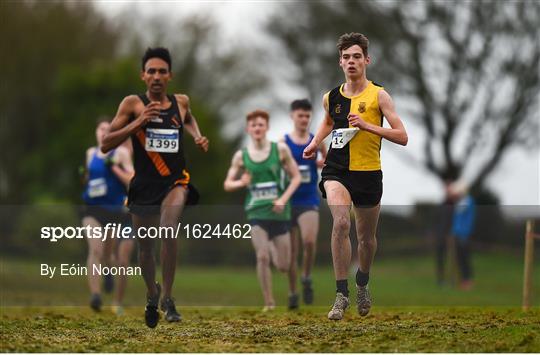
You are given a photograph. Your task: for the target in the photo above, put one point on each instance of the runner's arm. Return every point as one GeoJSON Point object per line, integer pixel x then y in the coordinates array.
{"type": "Point", "coordinates": [396, 133]}
{"type": "Point", "coordinates": [84, 174]}
{"type": "Point", "coordinates": [324, 151]}
{"type": "Point", "coordinates": [323, 131]}
{"type": "Point", "coordinates": [121, 128]}
{"type": "Point", "coordinates": [291, 168]}
{"type": "Point", "coordinates": [123, 167]}
{"type": "Point", "coordinates": [232, 183]}
{"type": "Point", "coordinates": [190, 123]}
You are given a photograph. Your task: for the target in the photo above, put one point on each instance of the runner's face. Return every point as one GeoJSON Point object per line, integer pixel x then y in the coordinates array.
{"type": "Point", "coordinates": [156, 75]}
{"type": "Point", "coordinates": [301, 119]}
{"type": "Point", "coordinates": [101, 130]}
{"type": "Point", "coordinates": [257, 128]}
{"type": "Point", "coordinates": [353, 62]}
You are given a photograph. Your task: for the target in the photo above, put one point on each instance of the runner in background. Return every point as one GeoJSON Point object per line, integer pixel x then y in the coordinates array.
{"type": "Point", "coordinates": [259, 168]}
{"type": "Point", "coordinates": [106, 180]}
{"type": "Point", "coordinates": [305, 201]}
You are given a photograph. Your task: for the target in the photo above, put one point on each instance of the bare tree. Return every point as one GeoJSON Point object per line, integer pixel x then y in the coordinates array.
{"type": "Point", "coordinates": [469, 69]}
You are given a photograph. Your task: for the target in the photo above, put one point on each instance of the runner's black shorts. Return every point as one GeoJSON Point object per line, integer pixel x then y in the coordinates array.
{"type": "Point", "coordinates": [272, 227]}
{"type": "Point", "coordinates": [145, 196]}
{"type": "Point", "coordinates": [365, 187]}
{"type": "Point", "coordinates": [297, 211]}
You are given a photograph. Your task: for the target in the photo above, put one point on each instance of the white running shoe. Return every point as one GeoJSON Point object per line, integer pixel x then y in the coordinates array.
{"type": "Point", "coordinates": [338, 309]}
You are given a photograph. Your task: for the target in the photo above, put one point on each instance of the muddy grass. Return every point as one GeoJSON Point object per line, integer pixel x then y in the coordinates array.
{"type": "Point", "coordinates": [245, 329]}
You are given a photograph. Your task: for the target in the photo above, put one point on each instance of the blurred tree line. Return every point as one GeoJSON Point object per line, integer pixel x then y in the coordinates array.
{"type": "Point", "coordinates": [66, 65]}
{"type": "Point", "coordinates": [468, 72]}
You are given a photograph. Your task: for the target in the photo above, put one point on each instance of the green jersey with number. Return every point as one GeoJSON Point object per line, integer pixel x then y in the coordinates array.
{"type": "Point", "coordinates": [267, 184]}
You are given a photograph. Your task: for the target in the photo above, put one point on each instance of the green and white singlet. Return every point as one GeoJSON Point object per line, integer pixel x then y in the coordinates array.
{"type": "Point", "coordinates": [267, 184]}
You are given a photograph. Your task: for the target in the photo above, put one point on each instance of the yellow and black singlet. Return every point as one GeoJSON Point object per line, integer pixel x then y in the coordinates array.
{"type": "Point", "coordinates": [362, 152]}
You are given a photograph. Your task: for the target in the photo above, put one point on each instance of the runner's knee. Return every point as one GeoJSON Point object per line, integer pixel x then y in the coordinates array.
{"type": "Point", "coordinates": [146, 250]}
{"type": "Point", "coordinates": [283, 265]}
{"type": "Point", "coordinates": [309, 244]}
{"type": "Point", "coordinates": [368, 243]}
{"type": "Point", "coordinates": [263, 257]}
{"type": "Point", "coordinates": [95, 253]}
{"type": "Point", "coordinates": [341, 226]}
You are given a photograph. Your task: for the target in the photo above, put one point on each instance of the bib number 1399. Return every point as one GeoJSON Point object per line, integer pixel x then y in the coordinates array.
{"type": "Point", "coordinates": [161, 140]}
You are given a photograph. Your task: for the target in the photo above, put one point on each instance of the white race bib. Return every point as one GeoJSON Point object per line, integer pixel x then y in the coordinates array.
{"type": "Point", "coordinates": [342, 136]}
{"type": "Point", "coordinates": [264, 191]}
{"type": "Point", "coordinates": [161, 140]}
{"type": "Point", "coordinates": [305, 172]}
{"type": "Point", "coordinates": [97, 187]}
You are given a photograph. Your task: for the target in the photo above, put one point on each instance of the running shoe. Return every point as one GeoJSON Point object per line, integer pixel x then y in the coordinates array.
{"type": "Point", "coordinates": [108, 283]}
{"type": "Point", "coordinates": [171, 315]}
{"type": "Point", "coordinates": [338, 309]}
{"type": "Point", "coordinates": [151, 313]}
{"type": "Point", "coordinates": [307, 291]}
{"type": "Point", "coordinates": [118, 310]}
{"type": "Point", "coordinates": [363, 300]}
{"type": "Point", "coordinates": [293, 301]}
{"type": "Point", "coordinates": [95, 302]}
{"type": "Point", "coordinates": [269, 308]}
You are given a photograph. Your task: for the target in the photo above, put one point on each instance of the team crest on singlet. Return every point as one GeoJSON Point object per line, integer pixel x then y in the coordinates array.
{"type": "Point", "coordinates": [362, 107]}
{"type": "Point", "coordinates": [338, 109]}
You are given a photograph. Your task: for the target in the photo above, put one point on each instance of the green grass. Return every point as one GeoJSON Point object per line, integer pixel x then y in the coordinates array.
{"type": "Point", "coordinates": [221, 309]}
{"type": "Point", "coordinates": [406, 281]}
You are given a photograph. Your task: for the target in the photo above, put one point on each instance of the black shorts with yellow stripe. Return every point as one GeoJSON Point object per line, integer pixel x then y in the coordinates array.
{"type": "Point", "coordinates": [365, 187]}
{"type": "Point", "coordinates": [146, 195]}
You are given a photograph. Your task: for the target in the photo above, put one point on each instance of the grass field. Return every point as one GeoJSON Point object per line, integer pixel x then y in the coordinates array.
{"type": "Point", "coordinates": [410, 313]}
{"type": "Point", "coordinates": [245, 329]}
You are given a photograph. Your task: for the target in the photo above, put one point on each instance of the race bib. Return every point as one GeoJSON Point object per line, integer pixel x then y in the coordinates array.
{"type": "Point", "coordinates": [264, 191]}
{"type": "Point", "coordinates": [161, 140]}
{"type": "Point", "coordinates": [305, 172]}
{"type": "Point", "coordinates": [97, 187]}
{"type": "Point", "coordinates": [342, 136]}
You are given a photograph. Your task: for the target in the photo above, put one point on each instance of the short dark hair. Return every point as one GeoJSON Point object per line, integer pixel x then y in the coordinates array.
{"type": "Point", "coordinates": [158, 52]}
{"type": "Point", "coordinates": [348, 40]}
{"type": "Point", "coordinates": [258, 113]}
{"type": "Point", "coordinates": [302, 104]}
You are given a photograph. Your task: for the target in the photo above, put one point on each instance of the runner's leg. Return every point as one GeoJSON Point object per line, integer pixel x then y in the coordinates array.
{"type": "Point", "coordinates": [146, 251]}
{"type": "Point", "coordinates": [280, 251]}
{"type": "Point", "coordinates": [309, 228]}
{"type": "Point", "coordinates": [261, 244]}
{"type": "Point", "coordinates": [125, 248]}
{"type": "Point", "coordinates": [95, 255]}
{"type": "Point", "coordinates": [295, 241]}
{"type": "Point", "coordinates": [171, 210]}
{"type": "Point", "coordinates": [339, 201]}
{"type": "Point", "coordinates": [366, 228]}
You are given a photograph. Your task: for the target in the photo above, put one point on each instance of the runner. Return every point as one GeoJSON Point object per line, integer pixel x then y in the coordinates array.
{"type": "Point", "coordinates": [352, 174]}
{"type": "Point", "coordinates": [161, 187]}
{"type": "Point", "coordinates": [259, 168]}
{"type": "Point", "coordinates": [107, 177]}
{"type": "Point", "coordinates": [305, 201]}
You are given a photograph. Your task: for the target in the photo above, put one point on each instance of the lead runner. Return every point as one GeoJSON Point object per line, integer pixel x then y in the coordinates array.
{"type": "Point", "coordinates": [161, 186]}
{"type": "Point", "coordinates": [354, 114]}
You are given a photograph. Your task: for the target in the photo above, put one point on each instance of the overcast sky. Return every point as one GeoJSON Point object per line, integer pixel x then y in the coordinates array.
{"type": "Point", "coordinates": [516, 180]}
